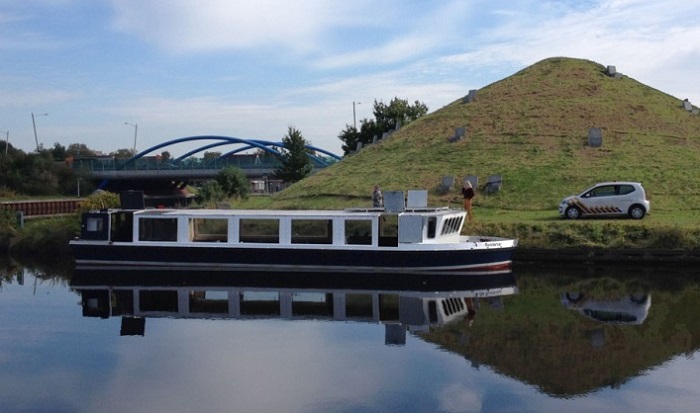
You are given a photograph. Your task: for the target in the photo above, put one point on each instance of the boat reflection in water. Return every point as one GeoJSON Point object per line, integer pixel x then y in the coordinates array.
{"type": "Point", "coordinates": [402, 302]}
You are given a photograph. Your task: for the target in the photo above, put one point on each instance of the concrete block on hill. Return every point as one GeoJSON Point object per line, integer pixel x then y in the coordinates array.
{"type": "Point", "coordinates": [459, 134]}
{"type": "Point", "coordinates": [595, 137]}
{"type": "Point", "coordinates": [493, 184]}
{"type": "Point", "coordinates": [446, 184]}
{"type": "Point", "coordinates": [687, 105]}
{"type": "Point", "coordinates": [473, 179]}
{"type": "Point", "coordinates": [471, 96]}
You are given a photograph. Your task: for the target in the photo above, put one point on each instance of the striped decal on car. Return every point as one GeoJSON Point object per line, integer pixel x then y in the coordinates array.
{"type": "Point", "coordinates": [603, 209]}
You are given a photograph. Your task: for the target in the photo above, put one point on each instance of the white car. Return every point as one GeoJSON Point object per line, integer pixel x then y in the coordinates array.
{"type": "Point", "coordinates": [607, 199]}
{"type": "Point", "coordinates": [629, 309]}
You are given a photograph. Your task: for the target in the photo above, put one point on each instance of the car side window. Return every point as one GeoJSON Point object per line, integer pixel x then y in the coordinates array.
{"type": "Point", "coordinates": [608, 190]}
{"type": "Point", "coordinates": [626, 189]}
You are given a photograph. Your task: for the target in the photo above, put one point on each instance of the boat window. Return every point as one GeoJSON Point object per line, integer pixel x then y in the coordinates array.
{"type": "Point", "coordinates": [312, 304]}
{"type": "Point", "coordinates": [158, 229]}
{"type": "Point", "coordinates": [158, 301]}
{"type": "Point", "coordinates": [208, 230]}
{"type": "Point", "coordinates": [94, 226]}
{"type": "Point", "coordinates": [358, 232]}
{"type": "Point", "coordinates": [389, 230]}
{"type": "Point", "coordinates": [260, 230]}
{"type": "Point", "coordinates": [312, 231]}
{"type": "Point", "coordinates": [359, 306]}
{"type": "Point", "coordinates": [445, 227]}
{"type": "Point", "coordinates": [209, 302]}
{"type": "Point", "coordinates": [260, 303]}
{"type": "Point", "coordinates": [432, 227]}
{"type": "Point", "coordinates": [388, 307]}
{"type": "Point", "coordinates": [122, 226]}
{"type": "Point", "coordinates": [432, 311]}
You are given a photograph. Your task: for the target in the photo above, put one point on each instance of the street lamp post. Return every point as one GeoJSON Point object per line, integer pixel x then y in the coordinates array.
{"type": "Point", "coordinates": [354, 118]}
{"type": "Point", "coordinates": [36, 138]}
{"type": "Point", "coordinates": [136, 131]}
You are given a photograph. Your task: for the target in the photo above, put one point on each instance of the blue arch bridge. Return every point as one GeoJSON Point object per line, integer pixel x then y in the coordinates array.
{"type": "Point", "coordinates": [163, 180]}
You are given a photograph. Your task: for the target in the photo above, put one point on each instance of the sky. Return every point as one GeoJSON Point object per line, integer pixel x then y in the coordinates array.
{"type": "Point", "coordinates": [111, 72]}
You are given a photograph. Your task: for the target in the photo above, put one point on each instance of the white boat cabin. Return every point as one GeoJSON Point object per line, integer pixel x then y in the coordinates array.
{"type": "Point", "coordinates": [399, 222]}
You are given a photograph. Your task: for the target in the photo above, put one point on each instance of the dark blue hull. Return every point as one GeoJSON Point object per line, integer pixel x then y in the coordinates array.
{"type": "Point", "coordinates": [313, 259]}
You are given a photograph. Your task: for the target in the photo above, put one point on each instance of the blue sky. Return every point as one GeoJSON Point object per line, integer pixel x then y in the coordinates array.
{"type": "Point", "coordinates": [251, 69]}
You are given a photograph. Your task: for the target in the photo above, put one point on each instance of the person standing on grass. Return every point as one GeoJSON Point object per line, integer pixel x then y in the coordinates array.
{"type": "Point", "coordinates": [377, 197]}
{"type": "Point", "coordinates": [468, 193]}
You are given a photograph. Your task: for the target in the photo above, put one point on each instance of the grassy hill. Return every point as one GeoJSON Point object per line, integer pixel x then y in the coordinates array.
{"type": "Point", "coordinates": [531, 128]}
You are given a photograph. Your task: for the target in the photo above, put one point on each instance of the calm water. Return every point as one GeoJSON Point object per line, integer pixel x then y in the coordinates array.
{"type": "Point", "coordinates": [539, 340]}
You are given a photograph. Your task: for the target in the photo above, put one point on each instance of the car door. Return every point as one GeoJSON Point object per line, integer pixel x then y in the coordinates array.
{"type": "Point", "coordinates": [602, 200]}
{"type": "Point", "coordinates": [627, 196]}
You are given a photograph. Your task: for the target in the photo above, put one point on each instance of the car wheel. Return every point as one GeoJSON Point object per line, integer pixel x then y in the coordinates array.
{"type": "Point", "coordinates": [573, 213]}
{"type": "Point", "coordinates": [637, 212]}
{"type": "Point", "coordinates": [574, 296]}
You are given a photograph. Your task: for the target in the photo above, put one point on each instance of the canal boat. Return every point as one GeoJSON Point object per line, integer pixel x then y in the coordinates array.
{"type": "Point", "coordinates": [403, 236]}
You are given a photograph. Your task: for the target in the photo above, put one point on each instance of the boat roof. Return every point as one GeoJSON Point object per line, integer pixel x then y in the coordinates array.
{"type": "Point", "coordinates": [291, 212]}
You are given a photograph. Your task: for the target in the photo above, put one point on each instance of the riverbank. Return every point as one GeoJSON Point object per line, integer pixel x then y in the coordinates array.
{"type": "Point", "coordinates": [555, 241]}
{"type": "Point", "coordinates": [606, 255]}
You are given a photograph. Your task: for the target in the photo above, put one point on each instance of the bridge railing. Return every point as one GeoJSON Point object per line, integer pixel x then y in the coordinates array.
{"type": "Point", "coordinates": [153, 164]}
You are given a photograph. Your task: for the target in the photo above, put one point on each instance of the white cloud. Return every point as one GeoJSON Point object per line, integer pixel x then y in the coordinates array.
{"type": "Point", "coordinates": [237, 373]}
{"type": "Point", "coordinates": [457, 398]}
{"type": "Point", "coordinates": [185, 26]}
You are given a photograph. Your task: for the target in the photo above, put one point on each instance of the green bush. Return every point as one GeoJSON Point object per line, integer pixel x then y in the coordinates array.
{"type": "Point", "coordinates": [47, 237]}
{"type": "Point", "coordinates": [210, 191]}
{"type": "Point", "coordinates": [100, 200]}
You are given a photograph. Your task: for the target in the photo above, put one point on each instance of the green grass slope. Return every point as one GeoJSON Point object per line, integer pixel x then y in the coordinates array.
{"type": "Point", "coordinates": [532, 129]}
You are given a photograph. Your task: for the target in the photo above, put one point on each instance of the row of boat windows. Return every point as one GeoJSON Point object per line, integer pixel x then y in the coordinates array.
{"type": "Point", "coordinates": [452, 225]}
{"type": "Point", "coordinates": [246, 303]}
{"type": "Point", "coordinates": [354, 306]}
{"type": "Point", "coordinates": [303, 231]}
{"type": "Point", "coordinates": [258, 230]}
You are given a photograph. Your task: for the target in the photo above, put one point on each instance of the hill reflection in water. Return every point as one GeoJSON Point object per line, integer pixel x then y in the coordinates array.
{"type": "Point", "coordinates": [571, 332]}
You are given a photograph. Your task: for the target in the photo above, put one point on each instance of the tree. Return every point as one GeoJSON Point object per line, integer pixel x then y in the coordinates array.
{"type": "Point", "coordinates": [210, 155]}
{"type": "Point", "coordinates": [58, 152]}
{"type": "Point", "coordinates": [295, 162]}
{"type": "Point", "coordinates": [398, 112]}
{"type": "Point", "coordinates": [80, 150]}
{"type": "Point", "coordinates": [386, 118]}
{"type": "Point", "coordinates": [123, 153]}
{"type": "Point", "coordinates": [233, 182]}
{"type": "Point", "coordinates": [210, 191]}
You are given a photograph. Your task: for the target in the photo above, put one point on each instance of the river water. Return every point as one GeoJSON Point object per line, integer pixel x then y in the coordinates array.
{"type": "Point", "coordinates": [540, 339]}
